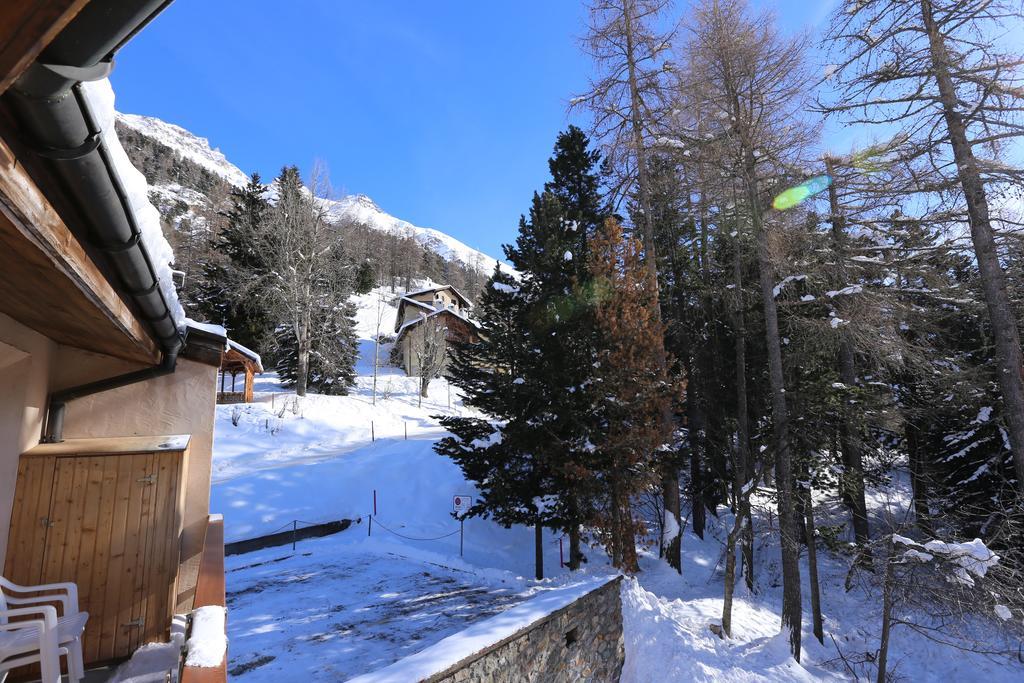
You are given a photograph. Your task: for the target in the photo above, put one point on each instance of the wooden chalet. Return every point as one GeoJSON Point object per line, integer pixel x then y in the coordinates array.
{"type": "Point", "coordinates": [108, 401]}
{"type": "Point", "coordinates": [444, 305]}
{"type": "Point", "coordinates": [238, 361]}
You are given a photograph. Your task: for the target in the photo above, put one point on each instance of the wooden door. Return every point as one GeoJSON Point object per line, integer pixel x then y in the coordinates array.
{"type": "Point", "coordinates": [110, 523]}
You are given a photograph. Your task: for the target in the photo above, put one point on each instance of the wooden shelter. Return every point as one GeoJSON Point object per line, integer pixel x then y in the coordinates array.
{"type": "Point", "coordinates": [238, 361]}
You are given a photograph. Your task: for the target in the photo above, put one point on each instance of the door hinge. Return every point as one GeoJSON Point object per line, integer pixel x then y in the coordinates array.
{"type": "Point", "coordinates": [135, 623]}
{"type": "Point", "coordinates": [46, 522]}
{"type": "Point", "coordinates": [148, 479]}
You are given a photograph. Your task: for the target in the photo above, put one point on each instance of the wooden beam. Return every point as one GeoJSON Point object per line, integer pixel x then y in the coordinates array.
{"type": "Point", "coordinates": [210, 592]}
{"type": "Point", "coordinates": [27, 27]}
{"type": "Point", "coordinates": [49, 283]}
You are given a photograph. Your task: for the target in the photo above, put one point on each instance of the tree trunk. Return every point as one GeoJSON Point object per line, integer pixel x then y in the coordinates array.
{"type": "Point", "coordinates": [302, 371]}
{"type": "Point", "coordinates": [730, 575]}
{"type": "Point", "coordinates": [630, 563]}
{"type": "Point", "coordinates": [812, 567]}
{"type": "Point", "coordinates": [918, 476]}
{"type": "Point", "coordinates": [792, 607]}
{"type": "Point", "coordinates": [669, 474]}
{"type": "Point", "coordinates": [538, 548]}
{"type": "Point", "coordinates": [673, 549]}
{"type": "Point", "coordinates": [883, 648]}
{"type": "Point", "coordinates": [993, 279]}
{"type": "Point", "coordinates": [695, 434]}
{"type": "Point", "coordinates": [575, 554]}
{"type": "Point", "coordinates": [742, 467]}
{"type": "Point", "coordinates": [853, 465]}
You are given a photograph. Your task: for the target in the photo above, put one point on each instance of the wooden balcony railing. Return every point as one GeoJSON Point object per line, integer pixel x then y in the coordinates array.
{"type": "Point", "coordinates": [210, 591]}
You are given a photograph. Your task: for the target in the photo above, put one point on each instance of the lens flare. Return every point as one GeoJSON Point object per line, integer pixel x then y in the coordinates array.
{"type": "Point", "coordinates": [795, 195]}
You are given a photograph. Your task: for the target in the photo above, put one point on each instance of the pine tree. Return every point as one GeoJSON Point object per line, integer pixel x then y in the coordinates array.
{"type": "Point", "coordinates": [630, 389]}
{"type": "Point", "coordinates": [366, 278]}
{"type": "Point", "coordinates": [333, 353]}
{"type": "Point", "coordinates": [536, 356]}
{"type": "Point", "coordinates": [234, 294]}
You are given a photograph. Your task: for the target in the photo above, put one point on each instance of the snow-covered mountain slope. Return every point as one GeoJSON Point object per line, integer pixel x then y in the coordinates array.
{"type": "Point", "coordinates": [187, 144]}
{"type": "Point", "coordinates": [362, 209]}
{"type": "Point", "coordinates": [357, 207]}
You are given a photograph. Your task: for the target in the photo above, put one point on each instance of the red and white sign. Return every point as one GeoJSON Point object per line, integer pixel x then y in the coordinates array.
{"type": "Point", "coordinates": [461, 504]}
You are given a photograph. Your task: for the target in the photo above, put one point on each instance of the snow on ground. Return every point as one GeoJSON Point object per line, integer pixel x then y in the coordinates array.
{"type": "Point", "coordinates": [457, 647]}
{"type": "Point", "coordinates": [348, 604]}
{"type": "Point", "coordinates": [667, 616]}
{"type": "Point", "coordinates": [344, 606]}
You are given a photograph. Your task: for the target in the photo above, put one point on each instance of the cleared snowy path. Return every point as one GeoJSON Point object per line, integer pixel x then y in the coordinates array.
{"type": "Point", "coordinates": [330, 611]}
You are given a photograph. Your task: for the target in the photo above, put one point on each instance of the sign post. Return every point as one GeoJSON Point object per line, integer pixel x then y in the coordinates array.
{"type": "Point", "coordinates": [461, 505]}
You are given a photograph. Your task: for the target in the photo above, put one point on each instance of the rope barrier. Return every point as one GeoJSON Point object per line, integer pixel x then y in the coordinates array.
{"type": "Point", "coordinates": [410, 538]}
{"type": "Point", "coordinates": [294, 521]}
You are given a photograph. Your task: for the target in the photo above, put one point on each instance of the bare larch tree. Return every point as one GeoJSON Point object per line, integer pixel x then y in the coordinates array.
{"type": "Point", "coordinates": [935, 70]}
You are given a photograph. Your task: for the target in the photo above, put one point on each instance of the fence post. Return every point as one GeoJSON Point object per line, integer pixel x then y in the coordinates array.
{"type": "Point", "coordinates": [372, 436]}
{"type": "Point", "coordinates": [462, 523]}
{"type": "Point", "coordinates": [375, 501]}
{"type": "Point", "coordinates": [406, 425]}
{"type": "Point", "coordinates": [369, 525]}
{"type": "Point", "coordinates": [295, 528]}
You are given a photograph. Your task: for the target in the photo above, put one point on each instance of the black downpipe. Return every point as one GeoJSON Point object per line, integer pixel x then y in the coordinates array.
{"type": "Point", "coordinates": [53, 111]}
{"type": "Point", "coordinates": [54, 431]}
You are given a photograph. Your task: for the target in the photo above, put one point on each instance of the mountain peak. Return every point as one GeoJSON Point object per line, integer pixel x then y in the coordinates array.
{"type": "Point", "coordinates": [187, 144]}
{"type": "Point", "coordinates": [358, 208]}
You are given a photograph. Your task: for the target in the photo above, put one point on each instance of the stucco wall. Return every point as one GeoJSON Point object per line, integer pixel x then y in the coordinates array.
{"type": "Point", "coordinates": [181, 403]}
{"type": "Point", "coordinates": [580, 642]}
{"type": "Point", "coordinates": [32, 365]}
{"type": "Point", "coordinates": [25, 358]}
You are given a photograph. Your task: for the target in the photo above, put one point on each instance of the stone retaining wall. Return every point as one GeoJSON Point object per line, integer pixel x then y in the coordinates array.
{"type": "Point", "coordinates": [580, 642]}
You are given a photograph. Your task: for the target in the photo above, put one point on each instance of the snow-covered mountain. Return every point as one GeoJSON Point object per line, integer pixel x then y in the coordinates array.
{"type": "Point", "coordinates": [187, 144]}
{"type": "Point", "coordinates": [358, 207]}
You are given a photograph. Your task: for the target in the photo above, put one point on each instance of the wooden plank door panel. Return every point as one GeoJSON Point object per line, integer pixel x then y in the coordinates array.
{"type": "Point", "coordinates": [101, 577]}
{"type": "Point", "coordinates": [136, 547]}
{"type": "Point", "coordinates": [108, 622]}
{"type": "Point", "coordinates": [29, 520]}
{"type": "Point", "coordinates": [112, 525]}
{"type": "Point", "coordinates": [161, 565]}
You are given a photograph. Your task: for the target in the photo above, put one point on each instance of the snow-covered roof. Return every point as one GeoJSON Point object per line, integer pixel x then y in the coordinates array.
{"type": "Point", "coordinates": [100, 96]}
{"type": "Point", "coordinates": [416, 321]}
{"type": "Point", "coordinates": [421, 304]}
{"type": "Point", "coordinates": [247, 352]}
{"type": "Point", "coordinates": [431, 290]}
{"type": "Point", "coordinates": [209, 328]}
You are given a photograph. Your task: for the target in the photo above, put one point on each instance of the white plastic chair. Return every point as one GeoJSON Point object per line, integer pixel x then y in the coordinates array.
{"type": "Point", "coordinates": [48, 636]}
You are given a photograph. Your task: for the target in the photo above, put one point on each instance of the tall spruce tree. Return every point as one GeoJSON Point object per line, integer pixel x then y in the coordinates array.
{"type": "Point", "coordinates": [540, 342]}
{"type": "Point", "coordinates": [233, 294]}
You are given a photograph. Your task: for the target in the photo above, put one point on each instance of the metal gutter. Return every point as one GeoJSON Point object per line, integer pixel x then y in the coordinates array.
{"type": "Point", "coordinates": [54, 113]}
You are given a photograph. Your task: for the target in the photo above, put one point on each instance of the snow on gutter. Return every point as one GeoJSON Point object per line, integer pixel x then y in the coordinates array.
{"type": "Point", "coordinates": [100, 96]}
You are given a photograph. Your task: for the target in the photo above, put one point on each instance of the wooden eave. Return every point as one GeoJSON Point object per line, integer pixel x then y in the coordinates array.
{"type": "Point", "coordinates": [235, 361]}
{"type": "Point", "coordinates": [49, 283]}
{"type": "Point", "coordinates": [26, 28]}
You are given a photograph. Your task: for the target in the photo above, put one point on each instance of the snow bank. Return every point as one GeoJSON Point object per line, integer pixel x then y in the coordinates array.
{"type": "Point", "coordinates": [100, 96]}
{"type": "Point", "coordinates": [670, 641]}
{"type": "Point", "coordinates": [454, 648]}
{"type": "Point", "coordinates": [208, 643]}
{"type": "Point", "coordinates": [151, 662]}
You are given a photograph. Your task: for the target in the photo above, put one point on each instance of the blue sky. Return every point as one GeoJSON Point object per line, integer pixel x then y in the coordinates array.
{"type": "Point", "coordinates": [443, 112]}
